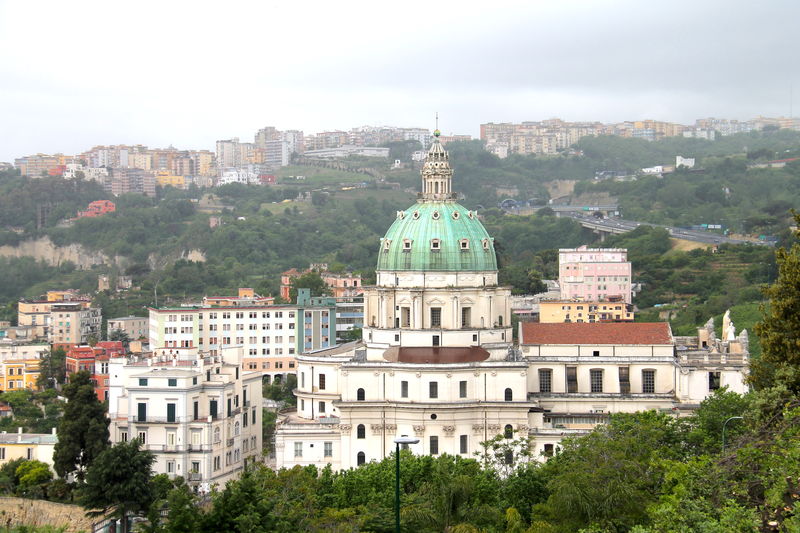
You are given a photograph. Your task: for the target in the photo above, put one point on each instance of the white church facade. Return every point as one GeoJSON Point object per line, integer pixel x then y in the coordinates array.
{"type": "Point", "coordinates": [437, 360]}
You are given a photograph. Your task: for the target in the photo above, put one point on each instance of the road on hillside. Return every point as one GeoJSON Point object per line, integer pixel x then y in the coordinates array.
{"type": "Point", "coordinates": [618, 225]}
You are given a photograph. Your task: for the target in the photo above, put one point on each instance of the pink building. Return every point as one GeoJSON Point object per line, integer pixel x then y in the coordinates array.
{"type": "Point", "coordinates": [594, 274]}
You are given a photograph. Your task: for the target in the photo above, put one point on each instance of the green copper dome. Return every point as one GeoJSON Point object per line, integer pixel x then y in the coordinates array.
{"type": "Point", "coordinates": [431, 236]}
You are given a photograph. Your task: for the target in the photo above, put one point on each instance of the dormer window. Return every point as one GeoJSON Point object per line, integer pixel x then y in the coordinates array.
{"type": "Point", "coordinates": [386, 244]}
{"type": "Point", "coordinates": [485, 243]}
{"type": "Point", "coordinates": [463, 244]}
{"type": "Point", "coordinates": [401, 215]}
{"type": "Point", "coordinates": [456, 215]}
{"type": "Point", "coordinates": [406, 245]}
{"type": "Point", "coordinates": [436, 244]}
{"type": "Point", "coordinates": [435, 214]}
{"type": "Point", "coordinates": [416, 215]}
{"type": "Point", "coordinates": [470, 214]}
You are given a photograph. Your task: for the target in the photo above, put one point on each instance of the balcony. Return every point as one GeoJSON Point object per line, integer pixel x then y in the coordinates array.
{"type": "Point", "coordinates": [159, 420]}
{"type": "Point", "coordinates": [194, 476]}
{"type": "Point", "coordinates": [230, 442]}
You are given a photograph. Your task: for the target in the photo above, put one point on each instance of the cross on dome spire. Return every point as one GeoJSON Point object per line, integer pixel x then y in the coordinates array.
{"type": "Point", "coordinates": [437, 176]}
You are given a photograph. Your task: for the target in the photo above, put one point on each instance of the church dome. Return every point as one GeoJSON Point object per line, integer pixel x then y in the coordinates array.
{"type": "Point", "coordinates": [437, 233]}
{"type": "Point", "coordinates": [432, 236]}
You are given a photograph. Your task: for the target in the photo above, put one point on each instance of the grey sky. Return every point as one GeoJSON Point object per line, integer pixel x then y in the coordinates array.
{"type": "Point", "coordinates": [76, 74]}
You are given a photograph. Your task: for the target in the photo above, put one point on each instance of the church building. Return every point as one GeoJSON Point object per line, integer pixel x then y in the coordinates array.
{"type": "Point", "coordinates": [437, 362]}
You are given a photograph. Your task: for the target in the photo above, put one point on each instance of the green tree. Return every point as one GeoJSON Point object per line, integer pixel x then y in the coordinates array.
{"type": "Point", "coordinates": [83, 431]}
{"type": "Point", "coordinates": [8, 476]}
{"type": "Point", "coordinates": [52, 368]}
{"type": "Point", "coordinates": [309, 280]}
{"type": "Point", "coordinates": [33, 479]}
{"type": "Point", "coordinates": [119, 481]}
{"type": "Point", "coordinates": [608, 478]}
{"type": "Point", "coordinates": [779, 331]}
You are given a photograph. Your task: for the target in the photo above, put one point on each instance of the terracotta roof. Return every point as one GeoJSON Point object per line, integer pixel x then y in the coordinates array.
{"type": "Point", "coordinates": [439, 354]}
{"type": "Point", "coordinates": [597, 333]}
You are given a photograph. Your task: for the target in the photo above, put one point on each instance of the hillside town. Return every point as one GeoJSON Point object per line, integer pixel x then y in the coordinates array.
{"type": "Point", "coordinates": [139, 169]}
{"type": "Point", "coordinates": [443, 354]}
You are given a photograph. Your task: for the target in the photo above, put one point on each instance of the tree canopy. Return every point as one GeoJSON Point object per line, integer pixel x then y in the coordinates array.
{"type": "Point", "coordinates": [83, 431]}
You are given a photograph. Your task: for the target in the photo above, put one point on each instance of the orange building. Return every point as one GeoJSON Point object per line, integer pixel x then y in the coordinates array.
{"type": "Point", "coordinates": [98, 208]}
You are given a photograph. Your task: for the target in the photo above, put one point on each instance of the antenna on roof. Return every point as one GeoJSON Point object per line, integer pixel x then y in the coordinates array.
{"type": "Point", "coordinates": [437, 120]}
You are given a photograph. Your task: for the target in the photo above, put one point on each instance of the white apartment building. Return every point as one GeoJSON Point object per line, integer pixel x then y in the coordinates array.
{"type": "Point", "coordinates": [270, 335]}
{"type": "Point", "coordinates": [199, 415]}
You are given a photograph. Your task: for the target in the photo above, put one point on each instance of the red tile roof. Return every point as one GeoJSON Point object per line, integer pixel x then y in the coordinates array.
{"type": "Point", "coordinates": [437, 354]}
{"type": "Point", "coordinates": [620, 333]}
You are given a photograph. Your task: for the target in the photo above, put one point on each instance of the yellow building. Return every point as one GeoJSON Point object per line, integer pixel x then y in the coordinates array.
{"type": "Point", "coordinates": [30, 446]}
{"type": "Point", "coordinates": [164, 179]}
{"type": "Point", "coordinates": [19, 365]}
{"type": "Point", "coordinates": [19, 374]}
{"type": "Point", "coordinates": [556, 311]}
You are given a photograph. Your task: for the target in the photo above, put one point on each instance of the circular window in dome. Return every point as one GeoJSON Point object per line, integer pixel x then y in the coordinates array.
{"type": "Point", "coordinates": [401, 215]}
{"type": "Point", "coordinates": [470, 214]}
{"type": "Point", "coordinates": [435, 215]}
{"type": "Point", "coordinates": [416, 215]}
{"type": "Point", "coordinates": [456, 215]}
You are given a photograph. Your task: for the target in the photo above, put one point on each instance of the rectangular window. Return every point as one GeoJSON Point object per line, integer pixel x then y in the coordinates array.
{"type": "Point", "coordinates": [123, 437]}
{"type": "Point", "coordinates": [29, 453]}
{"type": "Point", "coordinates": [142, 436]}
{"type": "Point", "coordinates": [404, 389]}
{"type": "Point", "coordinates": [298, 449]}
{"type": "Point", "coordinates": [462, 389]}
{"type": "Point", "coordinates": [596, 380]}
{"type": "Point", "coordinates": [141, 412]}
{"type": "Point", "coordinates": [648, 381]}
{"type": "Point", "coordinates": [462, 444]}
{"type": "Point", "coordinates": [433, 389]}
{"type": "Point", "coordinates": [405, 317]}
{"type": "Point", "coordinates": [624, 380]}
{"type": "Point", "coordinates": [170, 412]}
{"type": "Point", "coordinates": [713, 380]}
{"type": "Point", "coordinates": [195, 411]}
{"type": "Point", "coordinates": [328, 449]}
{"type": "Point", "coordinates": [321, 407]}
{"type": "Point", "coordinates": [436, 317]}
{"type": "Point", "coordinates": [466, 317]}
{"type": "Point", "coordinates": [548, 450]}
{"type": "Point", "coordinates": [434, 445]}
{"type": "Point", "coordinates": [143, 382]}
{"type": "Point", "coordinates": [172, 382]}
{"type": "Point", "coordinates": [545, 380]}
{"type": "Point", "coordinates": [572, 379]}
{"type": "Point", "coordinates": [322, 382]}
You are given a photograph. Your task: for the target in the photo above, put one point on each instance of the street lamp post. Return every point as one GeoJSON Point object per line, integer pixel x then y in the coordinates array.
{"type": "Point", "coordinates": [398, 441]}
{"type": "Point", "coordinates": [723, 428]}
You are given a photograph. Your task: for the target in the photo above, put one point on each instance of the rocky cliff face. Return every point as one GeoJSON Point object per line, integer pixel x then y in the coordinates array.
{"type": "Point", "coordinates": [43, 249]}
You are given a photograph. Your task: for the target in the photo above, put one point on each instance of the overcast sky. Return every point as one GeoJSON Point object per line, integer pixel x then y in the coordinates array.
{"type": "Point", "coordinates": [75, 74]}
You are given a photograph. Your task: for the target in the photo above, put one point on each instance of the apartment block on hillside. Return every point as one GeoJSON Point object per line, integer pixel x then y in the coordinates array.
{"type": "Point", "coordinates": [200, 415]}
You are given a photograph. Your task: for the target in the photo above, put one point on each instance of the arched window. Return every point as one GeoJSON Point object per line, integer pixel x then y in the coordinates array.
{"type": "Point", "coordinates": [216, 434]}
{"type": "Point", "coordinates": [509, 395]}
{"type": "Point", "coordinates": [236, 428]}
{"type": "Point", "coordinates": [360, 395]}
{"type": "Point", "coordinates": [361, 432]}
{"type": "Point", "coordinates": [500, 320]}
{"type": "Point", "coordinates": [508, 431]}
{"type": "Point", "coordinates": [361, 458]}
